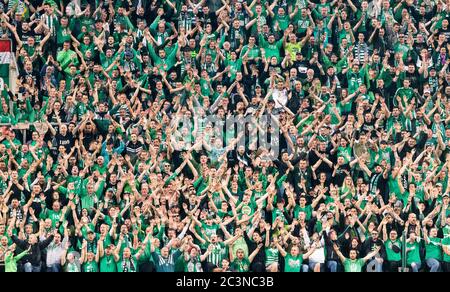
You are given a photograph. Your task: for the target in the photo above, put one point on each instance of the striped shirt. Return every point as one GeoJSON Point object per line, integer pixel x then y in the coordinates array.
{"type": "Point", "coordinates": [218, 253]}
{"type": "Point", "coordinates": [133, 149]}
{"type": "Point", "coordinates": [360, 51]}
{"type": "Point", "coordinates": [51, 21]}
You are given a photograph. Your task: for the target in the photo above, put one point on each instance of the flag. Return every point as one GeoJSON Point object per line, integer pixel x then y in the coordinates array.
{"type": "Point", "coordinates": [5, 62]}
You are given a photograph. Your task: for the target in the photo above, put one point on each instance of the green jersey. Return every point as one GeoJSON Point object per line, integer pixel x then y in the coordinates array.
{"type": "Point", "coordinates": [218, 253]}
{"type": "Point", "coordinates": [403, 49]}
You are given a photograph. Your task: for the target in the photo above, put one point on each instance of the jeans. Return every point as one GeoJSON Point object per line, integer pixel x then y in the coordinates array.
{"type": "Point", "coordinates": [257, 267]}
{"type": "Point", "coordinates": [305, 268]}
{"type": "Point", "coordinates": [332, 266]}
{"type": "Point", "coordinates": [378, 265]}
{"type": "Point", "coordinates": [29, 268]}
{"type": "Point", "coordinates": [312, 265]}
{"type": "Point", "coordinates": [446, 267]}
{"type": "Point", "coordinates": [416, 267]}
{"type": "Point", "coordinates": [433, 264]}
{"type": "Point", "coordinates": [55, 268]}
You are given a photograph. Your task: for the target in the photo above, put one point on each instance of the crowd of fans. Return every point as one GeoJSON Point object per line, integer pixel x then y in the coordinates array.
{"type": "Point", "coordinates": [110, 160]}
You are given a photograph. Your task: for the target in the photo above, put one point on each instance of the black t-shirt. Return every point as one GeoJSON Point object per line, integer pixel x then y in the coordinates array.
{"type": "Point", "coordinates": [413, 78]}
{"type": "Point", "coordinates": [445, 31]}
{"type": "Point", "coordinates": [67, 141]}
{"type": "Point", "coordinates": [261, 255]}
{"type": "Point", "coordinates": [369, 126]}
{"type": "Point", "coordinates": [88, 138]}
{"type": "Point", "coordinates": [377, 181]}
{"type": "Point", "coordinates": [24, 35]}
{"type": "Point", "coordinates": [323, 167]}
{"type": "Point", "coordinates": [207, 18]}
{"type": "Point", "coordinates": [250, 82]}
{"type": "Point", "coordinates": [52, 118]}
{"type": "Point", "coordinates": [16, 191]}
{"type": "Point", "coordinates": [340, 174]}
{"type": "Point", "coordinates": [295, 101]}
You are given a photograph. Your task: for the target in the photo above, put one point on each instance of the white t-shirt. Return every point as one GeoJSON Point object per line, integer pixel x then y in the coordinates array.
{"type": "Point", "coordinates": [280, 97]}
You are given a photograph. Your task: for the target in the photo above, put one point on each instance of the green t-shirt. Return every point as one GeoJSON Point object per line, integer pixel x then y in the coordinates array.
{"type": "Point", "coordinates": [433, 249]}
{"type": "Point", "coordinates": [240, 244]}
{"type": "Point", "coordinates": [446, 231]}
{"type": "Point", "coordinates": [271, 255]}
{"type": "Point", "coordinates": [71, 268]}
{"type": "Point", "coordinates": [413, 255]}
{"type": "Point", "coordinates": [127, 265]}
{"type": "Point", "coordinates": [353, 266]}
{"type": "Point", "coordinates": [446, 242]}
{"type": "Point", "coordinates": [293, 264]}
{"type": "Point", "coordinates": [52, 215]}
{"type": "Point", "coordinates": [65, 58]}
{"type": "Point", "coordinates": [235, 67]}
{"type": "Point", "coordinates": [283, 21]}
{"type": "Point", "coordinates": [253, 53]}
{"type": "Point", "coordinates": [391, 254]}
{"type": "Point", "coordinates": [210, 229]}
{"type": "Point", "coordinates": [272, 50]}
{"type": "Point", "coordinates": [303, 24]}
{"type": "Point", "coordinates": [108, 264]}
{"type": "Point", "coordinates": [307, 210]}
{"type": "Point", "coordinates": [90, 267]}
{"type": "Point", "coordinates": [402, 48]}
{"type": "Point", "coordinates": [240, 265]}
